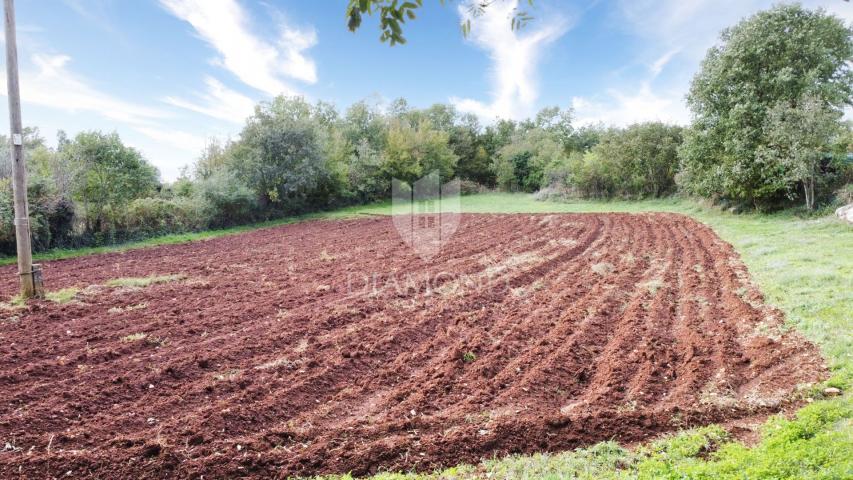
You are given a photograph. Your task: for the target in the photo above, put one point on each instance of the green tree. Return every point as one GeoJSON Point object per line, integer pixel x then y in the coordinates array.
{"type": "Point", "coordinates": [364, 121]}
{"type": "Point", "coordinates": [280, 153]}
{"type": "Point", "coordinates": [775, 57]}
{"type": "Point", "coordinates": [467, 142]}
{"type": "Point", "coordinates": [412, 152]}
{"type": "Point", "coordinates": [214, 157]}
{"type": "Point", "coordinates": [644, 158]}
{"type": "Point", "coordinates": [108, 176]}
{"type": "Point", "coordinates": [798, 137]}
{"type": "Point", "coordinates": [521, 164]}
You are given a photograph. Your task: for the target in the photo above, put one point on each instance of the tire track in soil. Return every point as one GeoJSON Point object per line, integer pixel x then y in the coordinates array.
{"type": "Point", "coordinates": [589, 327]}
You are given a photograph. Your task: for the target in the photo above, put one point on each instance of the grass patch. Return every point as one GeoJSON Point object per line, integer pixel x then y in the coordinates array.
{"type": "Point", "coordinates": [815, 444]}
{"type": "Point", "coordinates": [62, 296]}
{"type": "Point", "coordinates": [143, 281]}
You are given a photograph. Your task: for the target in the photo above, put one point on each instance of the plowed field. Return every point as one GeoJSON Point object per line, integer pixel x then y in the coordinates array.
{"type": "Point", "coordinates": [331, 346]}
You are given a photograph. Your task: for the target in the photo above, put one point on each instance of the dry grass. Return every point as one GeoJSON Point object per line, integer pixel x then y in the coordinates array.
{"type": "Point", "coordinates": [139, 282]}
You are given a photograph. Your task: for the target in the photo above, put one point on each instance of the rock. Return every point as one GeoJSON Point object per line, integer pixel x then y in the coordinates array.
{"type": "Point", "coordinates": [832, 392]}
{"type": "Point", "coordinates": [845, 213]}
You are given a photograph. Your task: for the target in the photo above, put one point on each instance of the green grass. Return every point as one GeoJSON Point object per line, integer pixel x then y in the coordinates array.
{"type": "Point", "coordinates": [815, 445]}
{"type": "Point", "coordinates": [803, 265]}
{"type": "Point", "coordinates": [62, 296]}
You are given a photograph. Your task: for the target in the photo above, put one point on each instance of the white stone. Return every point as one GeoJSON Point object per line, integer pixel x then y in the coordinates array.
{"type": "Point", "coordinates": [845, 213]}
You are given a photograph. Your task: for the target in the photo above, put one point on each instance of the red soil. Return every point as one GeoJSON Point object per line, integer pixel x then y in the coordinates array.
{"type": "Point", "coordinates": [272, 357]}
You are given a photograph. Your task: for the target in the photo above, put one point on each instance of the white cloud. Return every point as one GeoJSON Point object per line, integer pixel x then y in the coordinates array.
{"type": "Point", "coordinates": [50, 83]}
{"type": "Point", "coordinates": [174, 138]}
{"type": "Point", "coordinates": [658, 65]}
{"type": "Point", "coordinates": [670, 29]}
{"type": "Point", "coordinates": [262, 65]}
{"type": "Point", "coordinates": [219, 102]}
{"type": "Point", "coordinates": [53, 85]}
{"type": "Point", "coordinates": [621, 108]}
{"type": "Point", "coordinates": [515, 57]}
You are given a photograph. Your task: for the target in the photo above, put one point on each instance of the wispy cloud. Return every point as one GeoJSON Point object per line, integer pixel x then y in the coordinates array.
{"type": "Point", "coordinates": [266, 66]}
{"type": "Point", "coordinates": [669, 30]}
{"type": "Point", "coordinates": [50, 83]}
{"type": "Point", "coordinates": [218, 102]}
{"type": "Point", "coordinates": [174, 138]}
{"type": "Point", "coordinates": [515, 57]}
{"type": "Point", "coordinates": [658, 65]}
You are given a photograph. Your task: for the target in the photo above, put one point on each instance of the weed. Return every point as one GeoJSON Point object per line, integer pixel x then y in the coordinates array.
{"type": "Point", "coordinates": [602, 268]}
{"type": "Point", "coordinates": [156, 341]}
{"type": "Point", "coordinates": [143, 281]}
{"type": "Point", "coordinates": [129, 308]}
{"type": "Point", "coordinates": [468, 357]}
{"type": "Point", "coordinates": [653, 285]}
{"type": "Point", "coordinates": [278, 362]}
{"type": "Point", "coordinates": [134, 337]}
{"type": "Point", "coordinates": [228, 375]}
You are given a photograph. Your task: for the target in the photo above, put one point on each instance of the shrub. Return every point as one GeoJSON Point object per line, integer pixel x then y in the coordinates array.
{"type": "Point", "coordinates": [521, 165]}
{"type": "Point", "coordinates": [470, 187]}
{"type": "Point", "coordinates": [148, 217]}
{"type": "Point", "coordinates": [413, 152]}
{"type": "Point", "coordinates": [225, 200]}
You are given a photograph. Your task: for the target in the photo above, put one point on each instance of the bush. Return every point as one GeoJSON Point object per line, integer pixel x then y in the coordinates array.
{"type": "Point", "coordinates": [844, 195]}
{"type": "Point", "coordinates": [149, 217]}
{"type": "Point", "coordinates": [636, 162]}
{"type": "Point", "coordinates": [470, 187]}
{"type": "Point", "coordinates": [51, 217]}
{"type": "Point", "coordinates": [521, 165]}
{"type": "Point", "coordinates": [225, 200]}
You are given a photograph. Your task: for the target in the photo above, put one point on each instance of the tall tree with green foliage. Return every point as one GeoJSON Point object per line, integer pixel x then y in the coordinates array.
{"type": "Point", "coordinates": [108, 176]}
{"type": "Point", "coordinates": [646, 156]}
{"type": "Point", "coordinates": [798, 137]}
{"type": "Point", "coordinates": [280, 153]}
{"type": "Point", "coordinates": [413, 152]}
{"type": "Point", "coordinates": [777, 56]}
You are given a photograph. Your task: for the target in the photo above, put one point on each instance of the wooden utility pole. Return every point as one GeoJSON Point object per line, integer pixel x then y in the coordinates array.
{"type": "Point", "coordinates": [19, 168]}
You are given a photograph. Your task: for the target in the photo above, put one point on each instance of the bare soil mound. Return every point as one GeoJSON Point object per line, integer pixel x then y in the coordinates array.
{"type": "Point", "coordinates": [332, 347]}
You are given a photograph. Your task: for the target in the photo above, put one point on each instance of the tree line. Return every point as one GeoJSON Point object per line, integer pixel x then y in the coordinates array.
{"type": "Point", "coordinates": [766, 133]}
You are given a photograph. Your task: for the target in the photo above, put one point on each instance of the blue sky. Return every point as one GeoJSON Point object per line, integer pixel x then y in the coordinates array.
{"type": "Point", "coordinates": [169, 74]}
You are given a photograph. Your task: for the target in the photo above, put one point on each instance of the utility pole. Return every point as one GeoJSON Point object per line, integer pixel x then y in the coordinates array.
{"type": "Point", "coordinates": [29, 286]}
